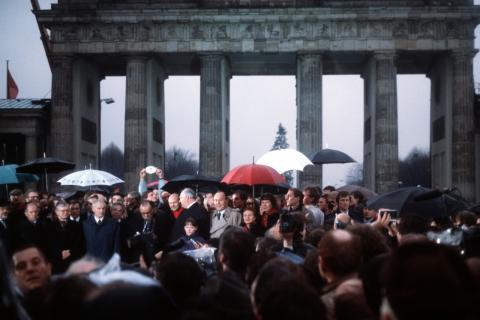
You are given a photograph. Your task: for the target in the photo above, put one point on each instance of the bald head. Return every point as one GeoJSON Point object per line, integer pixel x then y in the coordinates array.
{"type": "Point", "coordinates": [339, 254]}
{"type": "Point", "coordinates": [174, 202]}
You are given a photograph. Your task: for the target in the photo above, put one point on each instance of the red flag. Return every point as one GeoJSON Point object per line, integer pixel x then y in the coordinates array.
{"type": "Point", "coordinates": [12, 89]}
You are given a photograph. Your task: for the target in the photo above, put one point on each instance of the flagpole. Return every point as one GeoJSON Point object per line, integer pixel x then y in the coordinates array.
{"type": "Point", "coordinates": [6, 76]}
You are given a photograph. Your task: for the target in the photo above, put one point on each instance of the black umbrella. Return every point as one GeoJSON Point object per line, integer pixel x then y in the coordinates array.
{"type": "Point", "coordinates": [325, 156]}
{"type": "Point", "coordinates": [410, 200]}
{"type": "Point", "coordinates": [454, 202]}
{"type": "Point", "coordinates": [197, 182]}
{"type": "Point", "coordinates": [46, 165]}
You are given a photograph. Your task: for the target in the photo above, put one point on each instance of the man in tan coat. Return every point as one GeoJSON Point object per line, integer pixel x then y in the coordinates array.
{"type": "Point", "coordinates": [224, 216]}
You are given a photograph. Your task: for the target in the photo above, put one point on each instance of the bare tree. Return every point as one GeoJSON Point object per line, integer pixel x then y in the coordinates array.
{"type": "Point", "coordinates": [415, 169]}
{"type": "Point", "coordinates": [355, 175]}
{"type": "Point", "coordinates": [412, 171]}
{"type": "Point", "coordinates": [179, 161]}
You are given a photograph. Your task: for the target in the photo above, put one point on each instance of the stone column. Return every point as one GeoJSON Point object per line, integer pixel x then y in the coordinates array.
{"type": "Point", "coordinates": [463, 141]}
{"type": "Point", "coordinates": [30, 147]}
{"type": "Point", "coordinates": [368, 128]}
{"type": "Point", "coordinates": [309, 114]}
{"type": "Point", "coordinates": [441, 78]}
{"type": "Point", "coordinates": [135, 121]}
{"type": "Point", "coordinates": [155, 76]}
{"type": "Point", "coordinates": [386, 123]}
{"type": "Point", "coordinates": [61, 114]}
{"type": "Point", "coordinates": [214, 115]}
{"type": "Point", "coordinates": [86, 113]}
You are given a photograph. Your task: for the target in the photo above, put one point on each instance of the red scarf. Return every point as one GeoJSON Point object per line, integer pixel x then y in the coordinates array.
{"type": "Point", "coordinates": [177, 213]}
{"type": "Point", "coordinates": [266, 215]}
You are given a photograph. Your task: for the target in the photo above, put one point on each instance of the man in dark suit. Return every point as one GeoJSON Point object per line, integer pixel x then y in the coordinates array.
{"type": "Point", "coordinates": [32, 230]}
{"type": "Point", "coordinates": [147, 232]}
{"type": "Point", "coordinates": [5, 226]}
{"type": "Point", "coordinates": [192, 210]}
{"type": "Point", "coordinates": [102, 234]}
{"type": "Point", "coordinates": [66, 239]}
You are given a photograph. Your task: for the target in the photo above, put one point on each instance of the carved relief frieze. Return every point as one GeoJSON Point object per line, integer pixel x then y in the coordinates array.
{"type": "Point", "coordinates": [143, 32]}
{"type": "Point", "coordinates": [247, 31]}
{"type": "Point", "coordinates": [400, 29]}
{"type": "Point", "coordinates": [299, 30]}
{"type": "Point", "coordinates": [278, 31]}
{"type": "Point", "coordinates": [96, 33]}
{"type": "Point", "coordinates": [197, 32]}
{"type": "Point", "coordinates": [324, 30]}
{"type": "Point", "coordinates": [124, 32]}
{"type": "Point", "coordinates": [452, 29]}
{"type": "Point", "coordinates": [427, 29]}
{"type": "Point", "coordinates": [345, 29]}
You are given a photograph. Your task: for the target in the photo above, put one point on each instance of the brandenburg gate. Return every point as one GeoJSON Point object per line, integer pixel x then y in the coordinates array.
{"type": "Point", "coordinates": [147, 41]}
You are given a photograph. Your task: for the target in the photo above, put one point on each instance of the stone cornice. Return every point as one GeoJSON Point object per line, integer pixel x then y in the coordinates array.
{"type": "Point", "coordinates": [54, 17]}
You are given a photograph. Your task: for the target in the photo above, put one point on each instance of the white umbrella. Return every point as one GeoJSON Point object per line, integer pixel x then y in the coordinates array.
{"type": "Point", "coordinates": [284, 160]}
{"type": "Point", "coordinates": [88, 178]}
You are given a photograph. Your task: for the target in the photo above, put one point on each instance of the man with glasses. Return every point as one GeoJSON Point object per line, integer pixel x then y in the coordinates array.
{"type": "Point", "coordinates": [66, 239]}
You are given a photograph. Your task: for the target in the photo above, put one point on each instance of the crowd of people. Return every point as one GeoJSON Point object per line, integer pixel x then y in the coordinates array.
{"type": "Point", "coordinates": [309, 254]}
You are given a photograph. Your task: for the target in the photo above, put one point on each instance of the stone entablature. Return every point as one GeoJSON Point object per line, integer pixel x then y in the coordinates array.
{"type": "Point", "coordinates": [264, 30]}
{"type": "Point", "coordinates": [253, 3]}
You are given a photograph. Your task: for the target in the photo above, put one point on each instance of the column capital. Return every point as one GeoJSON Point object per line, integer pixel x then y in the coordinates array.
{"type": "Point", "coordinates": [62, 61]}
{"type": "Point", "coordinates": [137, 58]}
{"type": "Point", "coordinates": [313, 54]}
{"type": "Point", "coordinates": [467, 53]}
{"type": "Point", "coordinates": [211, 56]}
{"type": "Point", "coordinates": [385, 55]}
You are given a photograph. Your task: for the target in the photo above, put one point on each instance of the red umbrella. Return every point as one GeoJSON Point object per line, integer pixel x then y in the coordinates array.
{"type": "Point", "coordinates": [253, 174]}
{"type": "Point", "coordinates": [153, 184]}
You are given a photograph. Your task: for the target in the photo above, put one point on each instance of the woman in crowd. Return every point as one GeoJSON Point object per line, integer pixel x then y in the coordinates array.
{"type": "Point", "coordinates": [249, 223]}
{"type": "Point", "coordinates": [269, 212]}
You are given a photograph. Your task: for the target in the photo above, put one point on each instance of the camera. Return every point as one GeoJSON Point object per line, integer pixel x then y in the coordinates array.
{"type": "Point", "coordinates": [393, 213]}
{"type": "Point", "coordinates": [140, 240]}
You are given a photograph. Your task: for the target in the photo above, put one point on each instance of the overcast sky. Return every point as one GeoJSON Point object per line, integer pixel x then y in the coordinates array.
{"type": "Point", "coordinates": [257, 104]}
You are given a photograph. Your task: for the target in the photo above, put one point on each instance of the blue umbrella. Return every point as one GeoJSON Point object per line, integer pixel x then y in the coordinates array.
{"type": "Point", "coordinates": [9, 175]}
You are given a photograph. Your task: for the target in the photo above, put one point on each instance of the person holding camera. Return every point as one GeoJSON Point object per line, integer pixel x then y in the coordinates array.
{"type": "Point", "coordinates": [150, 233]}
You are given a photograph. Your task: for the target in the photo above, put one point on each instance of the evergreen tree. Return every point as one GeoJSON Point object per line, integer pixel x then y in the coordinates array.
{"type": "Point", "coordinates": [112, 160]}
{"type": "Point", "coordinates": [281, 143]}
{"type": "Point", "coordinates": [280, 138]}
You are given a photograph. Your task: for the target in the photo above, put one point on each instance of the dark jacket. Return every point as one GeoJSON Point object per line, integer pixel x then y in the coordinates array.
{"type": "Point", "coordinates": [196, 212]}
{"type": "Point", "coordinates": [255, 229]}
{"type": "Point", "coordinates": [185, 243]}
{"type": "Point", "coordinates": [151, 241]}
{"type": "Point", "coordinates": [70, 238]}
{"type": "Point", "coordinates": [25, 232]}
{"type": "Point", "coordinates": [101, 241]}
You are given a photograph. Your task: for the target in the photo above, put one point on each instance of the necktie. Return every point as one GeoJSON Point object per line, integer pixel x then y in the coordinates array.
{"type": "Point", "coordinates": [3, 223]}
{"type": "Point", "coordinates": [146, 227]}
{"type": "Point", "coordinates": [99, 222]}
